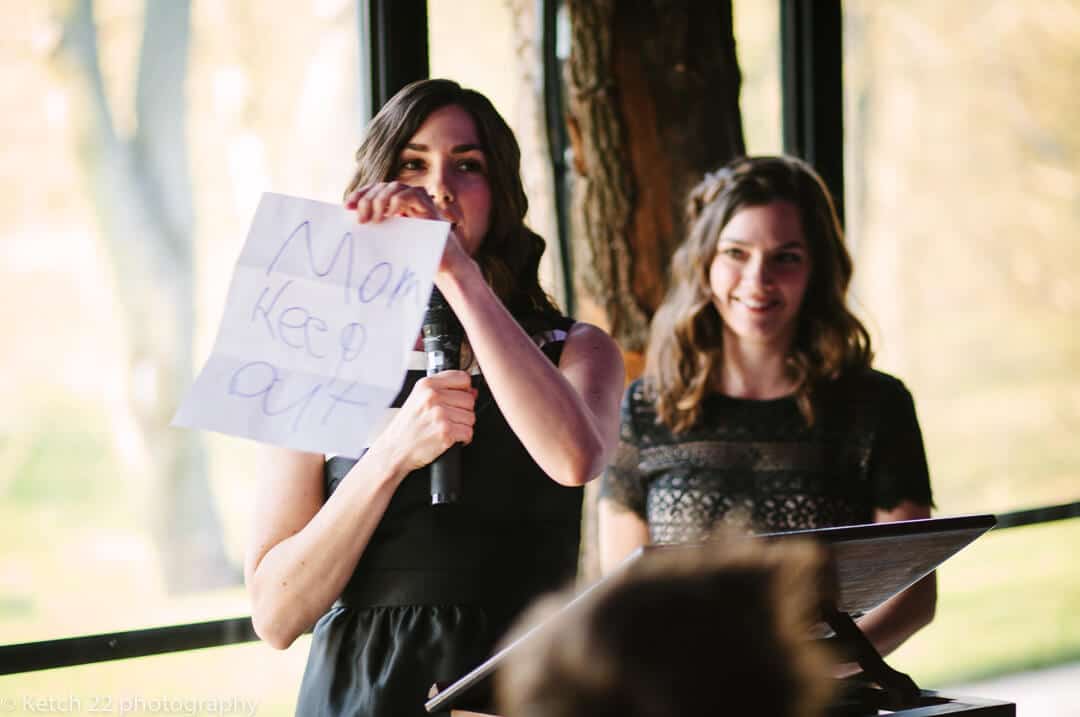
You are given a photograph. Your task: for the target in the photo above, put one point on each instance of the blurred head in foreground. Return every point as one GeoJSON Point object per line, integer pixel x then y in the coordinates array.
{"type": "Point", "coordinates": [717, 630]}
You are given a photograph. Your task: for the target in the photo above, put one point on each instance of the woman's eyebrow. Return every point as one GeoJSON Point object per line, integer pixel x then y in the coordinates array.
{"type": "Point", "coordinates": [793, 244]}
{"type": "Point", "coordinates": [457, 149]}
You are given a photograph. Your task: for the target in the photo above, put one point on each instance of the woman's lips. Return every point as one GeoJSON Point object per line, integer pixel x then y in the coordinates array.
{"type": "Point", "coordinates": [757, 304]}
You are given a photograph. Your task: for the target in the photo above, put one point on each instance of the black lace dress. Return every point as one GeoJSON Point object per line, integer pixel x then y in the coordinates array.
{"type": "Point", "coordinates": [437, 587]}
{"type": "Point", "coordinates": [758, 465]}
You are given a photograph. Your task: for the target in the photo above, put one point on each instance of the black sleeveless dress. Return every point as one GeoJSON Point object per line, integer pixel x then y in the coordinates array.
{"type": "Point", "coordinates": [438, 586]}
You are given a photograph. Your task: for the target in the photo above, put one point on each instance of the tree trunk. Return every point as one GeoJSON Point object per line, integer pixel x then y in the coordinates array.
{"type": "Point", "coordinates": [142, 192]}
{"type": "Point", "coordinates": [653, 95]}
{"type": "Point", "coordinates": [653, 104]}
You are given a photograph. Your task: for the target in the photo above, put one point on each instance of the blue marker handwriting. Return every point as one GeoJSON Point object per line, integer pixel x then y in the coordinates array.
{"type": "Point", "coordinates": [282, 314]}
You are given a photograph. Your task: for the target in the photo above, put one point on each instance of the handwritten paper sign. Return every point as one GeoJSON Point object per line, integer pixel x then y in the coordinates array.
{"type": "Point", "coordinates": [319, 320]}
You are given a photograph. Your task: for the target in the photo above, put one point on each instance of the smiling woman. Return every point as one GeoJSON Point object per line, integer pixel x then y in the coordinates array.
{"type": "Point", "coordinates": [759, 406]}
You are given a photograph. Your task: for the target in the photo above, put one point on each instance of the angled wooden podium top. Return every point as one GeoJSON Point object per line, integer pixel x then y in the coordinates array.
{"type": "Point", "coordinates": [873, 562]}
{"type": "Point", "coordinates": [869, 564]}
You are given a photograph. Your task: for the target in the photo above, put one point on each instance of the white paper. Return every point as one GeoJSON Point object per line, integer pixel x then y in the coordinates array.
{"type": "Point", "coordinates": [319, 321]}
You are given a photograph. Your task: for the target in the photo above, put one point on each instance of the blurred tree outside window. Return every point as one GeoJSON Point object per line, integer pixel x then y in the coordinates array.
{"type": "Point", "coordinates": [757, 42]}
{"type": "Point", "coordinates": [141, 135]}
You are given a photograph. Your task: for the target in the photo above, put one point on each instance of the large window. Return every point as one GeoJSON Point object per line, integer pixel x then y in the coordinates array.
{"type": "Point", "coordinates": [963, 208]}
{"type": "Point", "coordinates": [757, 42]}
{"type": "Point", "coordinates": [100, 533]}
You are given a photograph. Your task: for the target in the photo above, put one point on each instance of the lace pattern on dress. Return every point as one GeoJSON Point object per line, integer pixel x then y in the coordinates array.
{"type": "Point", "coordinates": [758, 466]}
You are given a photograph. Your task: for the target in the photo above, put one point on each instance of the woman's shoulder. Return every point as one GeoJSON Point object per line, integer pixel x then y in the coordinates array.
{"type": "Point", "coordinates": [870, 397]}
{"type": "Point", "coordinates": [586, 342]}
{"type": "Point", "coordinates": [539, 323]}
{"type": "Point", "coordinates": [871, 383]}
{"type": "Point", "coordinates": [548, 330]}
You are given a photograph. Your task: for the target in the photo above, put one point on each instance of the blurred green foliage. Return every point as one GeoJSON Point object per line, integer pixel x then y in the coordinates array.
{"type": "Point", "coordinates": [1008, 602]}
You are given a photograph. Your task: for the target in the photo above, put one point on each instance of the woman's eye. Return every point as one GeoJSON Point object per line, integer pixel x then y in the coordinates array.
{"type": "Point", "coordinates": [470, 165]}
{"type": "Point", "coordinates": [734, 253]}
{"type": "Point", "coordinates": [410, 165]}
{"type": "Point", "coordinates": [788, 257]}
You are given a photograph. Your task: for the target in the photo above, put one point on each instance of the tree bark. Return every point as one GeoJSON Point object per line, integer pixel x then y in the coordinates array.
{"type": "Point", "coordinates": [142, 192]}
{"type": "Point", "coordinates": [653, 104]}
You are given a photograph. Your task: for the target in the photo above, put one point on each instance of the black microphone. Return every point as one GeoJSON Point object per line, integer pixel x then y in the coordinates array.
{"type": "Point", "coordinates": [442, 343]}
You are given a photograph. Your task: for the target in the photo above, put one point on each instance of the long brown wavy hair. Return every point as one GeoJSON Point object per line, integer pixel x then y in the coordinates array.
{"type": "Point", "coordinates": [686, 338]}
{"type": "Point", "coordinates": [509, 254]}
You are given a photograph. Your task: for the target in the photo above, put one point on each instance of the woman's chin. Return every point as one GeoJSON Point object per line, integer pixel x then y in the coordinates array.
{"type": "Point", "coordinates": [763, 333]}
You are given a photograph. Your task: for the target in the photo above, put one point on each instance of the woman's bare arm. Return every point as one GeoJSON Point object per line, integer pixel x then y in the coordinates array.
{"type": "Point", "coordinates": [904, 614]}
{"type": "Point", "coordinates": [621, 532]}
{"type": "Point", "coordinates": [566, 416]}
{"type": "Point", "coordinates": [303, 550]}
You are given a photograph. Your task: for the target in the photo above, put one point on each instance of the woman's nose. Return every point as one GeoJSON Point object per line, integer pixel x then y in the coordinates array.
{"type": "Point", "coordinates": [757, 270]}
{"type": "Point", "coordinates": [440, 187]}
